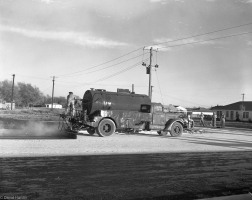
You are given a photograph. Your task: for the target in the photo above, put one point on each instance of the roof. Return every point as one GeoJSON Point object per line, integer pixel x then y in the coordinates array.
{"type": "Point", "coordinates": [240, 105]}
{"type": "Point", "coordinates": [199, 109]}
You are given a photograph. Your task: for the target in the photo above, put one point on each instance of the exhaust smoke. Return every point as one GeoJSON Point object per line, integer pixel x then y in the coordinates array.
{"type": "Point", "coordinates": [30, 129]}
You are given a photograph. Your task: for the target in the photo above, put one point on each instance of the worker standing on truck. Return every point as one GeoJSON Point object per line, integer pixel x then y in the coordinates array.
{"type": "Point", "coordinates": [202, 119]}
{"type": "Point", "coordinates": [70, 109]}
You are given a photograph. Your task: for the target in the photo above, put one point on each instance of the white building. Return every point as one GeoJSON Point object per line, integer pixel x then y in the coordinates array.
{"type": "Point", "coordinates": [55, 105]}
{"type": "Point", "coordinates": [239, 111]}
{"type": "Point", "coordinates": [6, 106]}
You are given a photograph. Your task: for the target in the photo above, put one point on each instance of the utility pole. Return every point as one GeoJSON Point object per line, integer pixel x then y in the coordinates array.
{"type": "Point", "coordinates": [150, 92]}
{"type": "Point", "coordinates": [149, 71]}
{"type": "Point", "coordinates": [243, 97]}
{"type": "Point", "coordinates": [133, 89]}
{"type": "Point", "coordinates": [53, 90]}
{"type": "Point", "coordinates": [12, 92]}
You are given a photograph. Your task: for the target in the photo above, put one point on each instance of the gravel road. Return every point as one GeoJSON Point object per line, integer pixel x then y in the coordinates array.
{"type": "Point", "coordinates": [145, 166]}
{"type": "Point", "coordinates": [148, 142]}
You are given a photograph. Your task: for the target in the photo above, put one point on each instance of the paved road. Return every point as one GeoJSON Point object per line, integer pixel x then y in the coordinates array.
{"type": "Point", "coordinates": [214, 163]}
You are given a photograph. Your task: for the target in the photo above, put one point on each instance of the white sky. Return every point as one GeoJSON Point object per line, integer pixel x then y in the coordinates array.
{"type": "Point", "coordinates": [44, 38]}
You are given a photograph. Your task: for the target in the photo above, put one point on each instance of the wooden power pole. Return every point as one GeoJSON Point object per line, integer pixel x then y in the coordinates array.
{"type": "Point", "coordinates": [149, 71]}
{"type": "Point", "coordinates": [53, 90]}
{"type": "Point", "coordinates": [243, 97]}
{"type": "Point", "coordinates": [12, 91]}
{"type": "Point", "coordinates": [150, 92]}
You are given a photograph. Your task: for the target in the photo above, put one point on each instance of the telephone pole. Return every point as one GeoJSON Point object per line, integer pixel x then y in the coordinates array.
{"type": "Point", "coordinates": [243, 97]}
{"type": "Point", "coordinates": [12, 92]}
{"type": "Point", "coordinates": [53, 90]}
{"type": "Point", "coordinates": [149, 71]}
{"type": "Point", "coordinates": [150, 92]}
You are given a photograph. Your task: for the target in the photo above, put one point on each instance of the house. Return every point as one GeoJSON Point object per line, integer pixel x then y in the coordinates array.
{"type": "Point", "coordinates": [55, 105]}
{"type": "Point", "coordinates": [6, 106]}
{"type": "Point", "coordinates": [239, 111]}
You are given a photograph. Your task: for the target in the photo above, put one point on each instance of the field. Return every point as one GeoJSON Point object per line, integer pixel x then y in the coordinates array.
{"type": "Point", "coordinates": [42, 114]}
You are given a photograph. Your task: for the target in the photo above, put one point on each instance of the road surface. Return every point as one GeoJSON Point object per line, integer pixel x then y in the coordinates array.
{"type": "Point", "coordinates": [146, 166]}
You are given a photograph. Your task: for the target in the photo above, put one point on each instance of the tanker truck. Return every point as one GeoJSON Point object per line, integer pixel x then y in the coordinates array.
{"type": "Point", "coordinates": [105, 113]}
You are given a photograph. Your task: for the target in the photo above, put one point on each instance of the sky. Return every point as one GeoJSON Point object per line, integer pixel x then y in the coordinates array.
{"type": "Point", "coordinates": [203, 48]}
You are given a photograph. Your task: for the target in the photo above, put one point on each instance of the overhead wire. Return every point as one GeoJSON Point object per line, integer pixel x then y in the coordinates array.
{"type": "Point", "coordinates": [244, 33]}
{"type": "Point", "coordinates": [197, 35]}
{"type": "Point", "coordinates": [35, 77]}
{"type": "Point", "coordinates": [110, 65]}
{"type": "Point", "coordinates": [158, 81]}
{"type": "Point", "coordinates": [117, 73]}
{"type": "Point", "coordinates": [183, 100]}
{"type": "Point", "coordinates": [95, 66]}
{"type": "Point", "coordinates": [159, 87]}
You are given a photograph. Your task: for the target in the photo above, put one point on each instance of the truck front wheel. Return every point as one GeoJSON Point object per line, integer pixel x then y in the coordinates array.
{"type": "Point", "coordinates": [176, 129]}
{"type": "Point", "coordinates": [106, 127]}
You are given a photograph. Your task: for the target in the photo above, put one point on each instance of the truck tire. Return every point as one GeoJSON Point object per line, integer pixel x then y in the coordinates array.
{"type": "Point", "coordinates": [176, 129]}
{"type": "Point", "coordinates": [106, 127]}
{"type": "Point", "coordinates": [91, 131]}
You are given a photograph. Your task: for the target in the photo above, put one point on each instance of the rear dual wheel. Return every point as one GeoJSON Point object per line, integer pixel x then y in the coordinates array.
{"type": "Point", "coordinates": [106, 127]}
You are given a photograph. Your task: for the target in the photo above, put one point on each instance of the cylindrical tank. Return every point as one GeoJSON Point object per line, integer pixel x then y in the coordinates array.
{"type": "Point", "coordinates": [94, 100]}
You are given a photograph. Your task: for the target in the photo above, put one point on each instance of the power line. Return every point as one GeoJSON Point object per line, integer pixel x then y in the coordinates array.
{"type": "Point", "coordinates": [159, 88]}
{"type": "Point", "coordinates": [79, 83]}
{"type": "Point", "coordinates": [215, 31]}
{"type": "Point", "coordinates": [206, 40]}
{"type": "Point", "coordinates": [197, 35]}
{"type": "Point", "coordinates": [117, 73]}
{"type": "Point", "coordinates": [33, 77]}
{"type": "Point", "coordinates": [108, 66]}
{"type": "Point", "coordinates": [183, 100]}
{"type": "Point", "coordinates": [95, 66]}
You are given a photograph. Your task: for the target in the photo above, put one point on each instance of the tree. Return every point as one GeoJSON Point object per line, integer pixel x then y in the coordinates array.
{"type": "Point", "coordinates": [29, 94]}
{"type": "Point", "coordinates": [26, 94]}
{"type": "Point", "coordinates": [6, 91]}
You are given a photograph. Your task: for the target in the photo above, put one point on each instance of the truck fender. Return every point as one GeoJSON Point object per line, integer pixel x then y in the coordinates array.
{"type": "Point", "coordinates": [169, 123]}
{"type": "Point", "coordinates": [98, 119]}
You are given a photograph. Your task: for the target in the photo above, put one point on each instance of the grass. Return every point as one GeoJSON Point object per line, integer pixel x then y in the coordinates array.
{"type": "Point", "coordinates": [32, 114]}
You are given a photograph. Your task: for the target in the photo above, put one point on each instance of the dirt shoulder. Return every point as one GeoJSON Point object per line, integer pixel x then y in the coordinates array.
{"type": "Point", "coordinates": [40, 114]}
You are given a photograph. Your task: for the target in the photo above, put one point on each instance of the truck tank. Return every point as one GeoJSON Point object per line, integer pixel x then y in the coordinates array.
{"type": "Point", "coordinates": [94, 100]}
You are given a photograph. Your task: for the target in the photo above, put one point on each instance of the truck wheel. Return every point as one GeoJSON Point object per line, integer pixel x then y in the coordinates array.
{"type": "Point", "coordinates": [176, 129]}
{"type": "Point", "coordinates": [91, 131]}
{"type": "Point", "coordinates": [106, 127]}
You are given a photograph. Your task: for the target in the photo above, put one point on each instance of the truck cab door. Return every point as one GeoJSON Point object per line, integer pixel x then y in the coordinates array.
{"type": "Point", "coordinates": [158, 119]}
{"type": "Point", "coordinates": [158, 116]}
